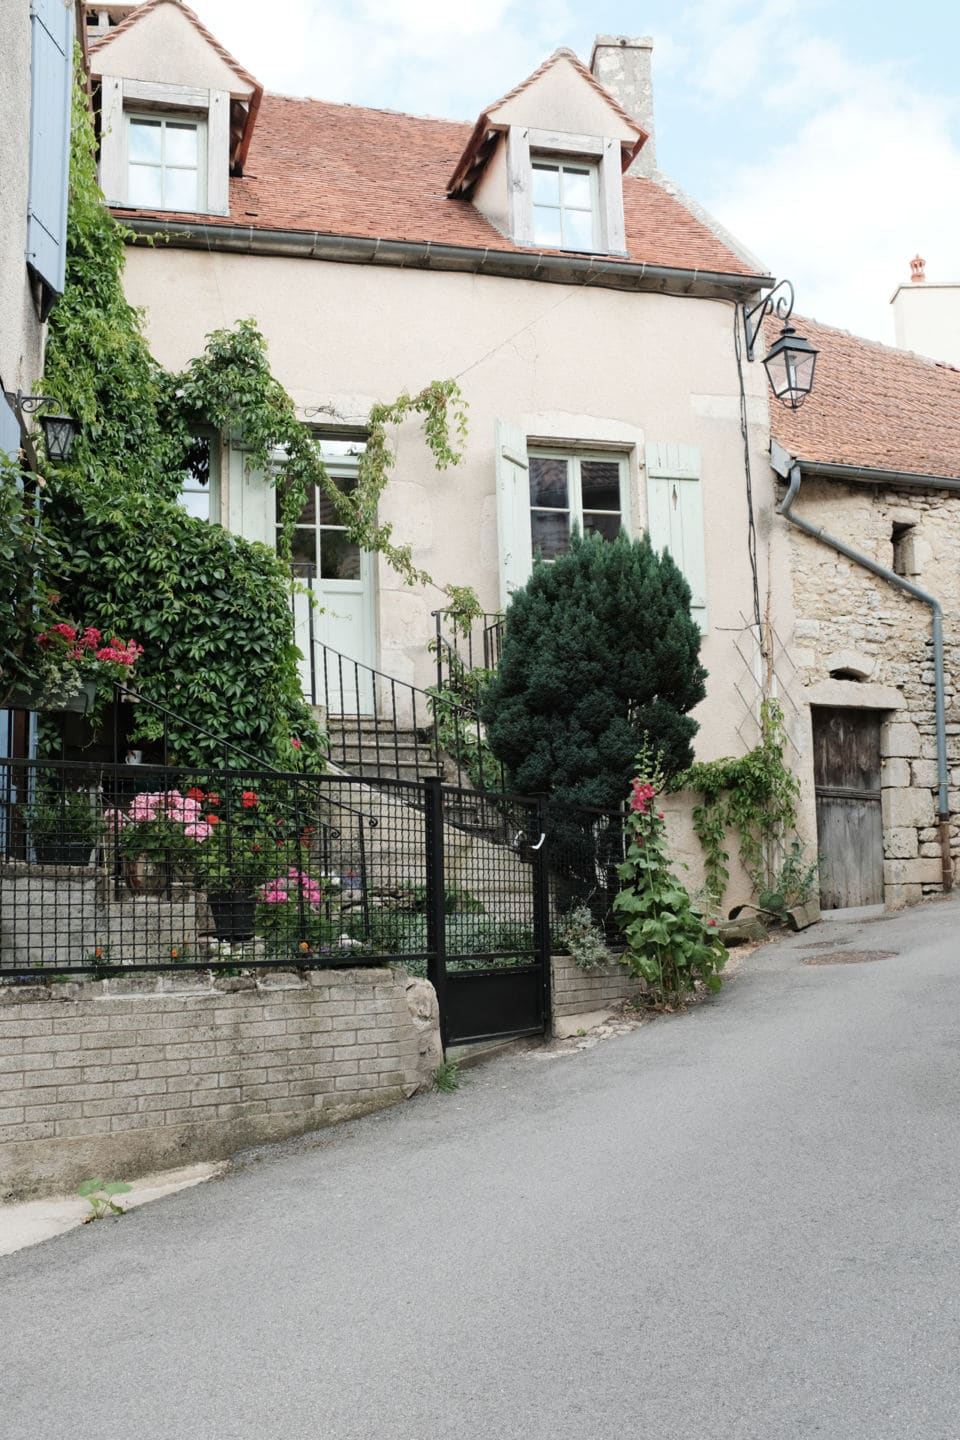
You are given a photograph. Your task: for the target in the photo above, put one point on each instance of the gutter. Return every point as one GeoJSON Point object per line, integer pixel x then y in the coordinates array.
{"type": "Point", "coordinates": [867, 475]}
{"type": "Point", "coordinates": [936, 618]}
{"type": "Point", "coordinates": [425, 255]}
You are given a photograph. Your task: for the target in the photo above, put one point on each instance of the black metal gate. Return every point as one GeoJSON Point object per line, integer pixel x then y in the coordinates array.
{"type": "Point", "coordinates": [488, 928]}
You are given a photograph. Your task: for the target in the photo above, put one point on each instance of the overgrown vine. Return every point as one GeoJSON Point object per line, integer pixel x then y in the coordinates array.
{"type": "Point", "coordinates": [755, 795]}
{"type": "Point", "coordinates": [211, 609]}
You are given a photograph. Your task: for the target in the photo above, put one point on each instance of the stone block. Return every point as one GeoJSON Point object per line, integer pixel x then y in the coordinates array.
{"type": "Point", "coordinates": [901, 844]}
{"type": "Point", "coordinates": [907, 807]}
{"type": "Point", "coordinates": [895, 771]}
{"type": "Point", "coordinates": [901, 738]}
{"type": "Point", "coordinates": [924, 772]}
{"type": "Point", "coordinates": [911, 872]}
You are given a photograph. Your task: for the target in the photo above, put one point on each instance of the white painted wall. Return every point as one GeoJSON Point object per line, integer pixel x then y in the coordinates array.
{"type": "Point", "coordinates": [21, 334]}
{"type": "Point", "coordinates": [926, 319]}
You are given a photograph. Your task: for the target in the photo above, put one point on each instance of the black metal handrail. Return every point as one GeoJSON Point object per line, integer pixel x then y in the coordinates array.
{"type": "Point", "coordinates": [460, 649]}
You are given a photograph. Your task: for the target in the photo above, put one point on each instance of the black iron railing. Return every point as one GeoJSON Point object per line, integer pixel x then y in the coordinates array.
{"type": "Point", "coordinates": [112, 867]}
{"type": "Point", "coordinates": [462, 649]}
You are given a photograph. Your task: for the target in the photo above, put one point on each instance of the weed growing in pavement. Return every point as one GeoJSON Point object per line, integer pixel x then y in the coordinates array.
{"type": "Point", "coordinates": [446, 1077]}
{"type": "Point", "coordinates": [99, 1196]}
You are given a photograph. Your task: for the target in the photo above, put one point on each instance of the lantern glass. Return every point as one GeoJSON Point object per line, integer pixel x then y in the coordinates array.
{"type": "Point", "coordinates": [58, 434]}
{"type": "Point", "coordinates": [790, 367]}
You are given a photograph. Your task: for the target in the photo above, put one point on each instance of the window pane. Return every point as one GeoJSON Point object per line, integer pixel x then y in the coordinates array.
{"type": "Point", "coordinates": [608, 526]}
{"type": "Point", "coordinates": [550, 532]}
{"type": "Point", "coordinates": [546, 185]}
{"type": "Point", "coordinates": [336, 449]}
{"type": "Point", "coordinates": [304, 547]}
{"type": "Point", "coordinates": [180, 145]}
{"type": "Point", "coordinates": [145, 141]}
{"type": "Point", "coordinates": [180, 190]}
{"type": "Point", "coordinates": [577, 230]}
{"type": "Point", "coordinates": [145, 187]}
{"type": "Point", "coordinates": [196, 502]}
{"type": "Point", "coordinates": [339, 559]}
{"type": "Point", "coordinates": [577, 190]}
{"type": "Point", "coordinates": [548, 482]}
{"type": "Point", "coordinates": [329, 516]}
{"type": "Point", "coordinates": [308, 514]}
{"type": "Point", "coordinates": [600, 482]}
{"type": "Point", "coordinates": [546, 227]}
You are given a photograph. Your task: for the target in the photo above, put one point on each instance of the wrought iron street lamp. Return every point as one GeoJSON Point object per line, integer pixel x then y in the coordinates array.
{"type": "Point", "coordinates": [792, 360]}
{"type": "Point", "coordinates": [59, 430]}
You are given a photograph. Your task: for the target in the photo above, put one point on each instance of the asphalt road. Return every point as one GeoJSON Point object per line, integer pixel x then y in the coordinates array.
{"type": "Point", "coordinates": [737, 1223]}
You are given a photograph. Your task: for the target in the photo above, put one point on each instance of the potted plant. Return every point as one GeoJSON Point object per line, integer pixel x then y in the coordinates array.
{"type": "Point", "coordinates": [241, 854]}
{"type": "Point", "coordinates": [157, 837]}
{"type": "Point", "coordinates": [63, 827]}
{"type": "Point", "coordinates": [72, 666]}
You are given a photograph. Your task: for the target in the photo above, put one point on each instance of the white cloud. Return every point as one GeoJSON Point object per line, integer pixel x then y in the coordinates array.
{"type": "Point", "coordinates": [421, 56]}
{"type": "Point", "coordinates": [863, 172]}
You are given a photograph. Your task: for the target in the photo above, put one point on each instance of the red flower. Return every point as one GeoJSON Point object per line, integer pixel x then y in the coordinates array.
{"type": "Point", "coordinates": [213, 799]}
{"type": "Point", "coordinates": [255, 848]}
{"type": "Point", "coordinates": [212, 819]}
{"type": "Point", "coordinates": [250, 798]}
{"type": "Point", "coordinates": [280, 844]}
{"type": "Point", "coordinates": [711, 922]}
{"type": "Point", "coordinates": [295, 742]}
{"type": "Point", "coordinates": [195, 793]}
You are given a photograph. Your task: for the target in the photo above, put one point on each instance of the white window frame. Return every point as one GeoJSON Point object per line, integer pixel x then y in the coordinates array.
{"type": "Point", "coordinates": [192, 486]}
{"type": "Point", "coordinates": [574, 457]}
{"type": "Point", "coordinates": [602, 153]}
{"type": "Point", "coordinates": [573, 164]}
{"type": "Point", "coordinates": [122, 100]}
{"type": "Point", "coordinates": [163, 119]}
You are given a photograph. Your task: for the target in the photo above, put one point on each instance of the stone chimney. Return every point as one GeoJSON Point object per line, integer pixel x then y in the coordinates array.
{"type": "Point", "coordinates": [918, 270]}
{"type": "Point", "coordinates": [623, 66]}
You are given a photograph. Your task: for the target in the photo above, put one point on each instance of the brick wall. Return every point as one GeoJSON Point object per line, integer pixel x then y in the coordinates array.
{"type": "Point", "coordinates": [119, 1077]}
{"type": "Point", "coordinates": [579, 992]}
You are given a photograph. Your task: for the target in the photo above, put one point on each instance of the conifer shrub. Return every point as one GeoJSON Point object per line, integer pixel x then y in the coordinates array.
{"type": "Point", "coordinates": [600, 656]}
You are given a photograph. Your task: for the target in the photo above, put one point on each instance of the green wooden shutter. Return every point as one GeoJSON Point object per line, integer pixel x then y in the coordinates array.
{"type": "Point", "coordinates": [251, 500]}
{"type": "Point", "coordinates": [513, 509]}
{"type": "Point", "coordinates": [675, 515]}
{"type": "Point", "coordinates": [50, 97]}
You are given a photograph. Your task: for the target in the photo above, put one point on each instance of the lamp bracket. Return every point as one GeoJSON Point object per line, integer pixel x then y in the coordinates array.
{"type": "Point", "coordinates": [778, 301]}
{"type": "Point", "coordinates": [30, 404]}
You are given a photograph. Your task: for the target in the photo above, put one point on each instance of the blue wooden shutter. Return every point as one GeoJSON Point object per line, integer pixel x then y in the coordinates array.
{"type": "Point", "coordinates": [675, 515]}
{"type": "Point", "coordinates": [50, 96]}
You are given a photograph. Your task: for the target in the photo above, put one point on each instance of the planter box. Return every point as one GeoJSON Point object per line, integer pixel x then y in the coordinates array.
{"type": "Point", "coordinates": [80, 700]}
{"type": "Point", "coordinates": [63, 852]}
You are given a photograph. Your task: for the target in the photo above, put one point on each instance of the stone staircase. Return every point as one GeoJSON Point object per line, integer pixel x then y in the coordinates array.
{"type": "Point", "coordinates": [374, 747]}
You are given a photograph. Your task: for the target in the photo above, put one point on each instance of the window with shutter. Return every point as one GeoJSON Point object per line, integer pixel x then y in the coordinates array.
{"type": "Point", "coordinates": [675, 515]}
{"type": "Point", "coordinates": [50, 98]}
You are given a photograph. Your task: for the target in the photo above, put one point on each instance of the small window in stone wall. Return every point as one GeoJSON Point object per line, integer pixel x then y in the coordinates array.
{"type": "Point", "coordinates": [904, 550]}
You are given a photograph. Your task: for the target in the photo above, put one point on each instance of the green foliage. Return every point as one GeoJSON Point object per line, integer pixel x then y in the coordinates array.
{"type": "Point", "coordinates": [756, 796]}
{"type": "Point", "coordinates": [794, 882]}
{"type": "Point", "coordinates": [211, 609]}
{"type": "Point", "coordinates": [669, 945]}
{"type": "Point", "coordinates": [100, 1197]}
{"type": "Point", "coordinates": [24, 559]}
{"type": "Point", "coordinates": [599, 652]}
{"type": "Point", "coordinates": [582, 937]}
{"type": "Point", "coordinates": [446, 1077]}
{"type": "Point", "coordinates": [62, 815]}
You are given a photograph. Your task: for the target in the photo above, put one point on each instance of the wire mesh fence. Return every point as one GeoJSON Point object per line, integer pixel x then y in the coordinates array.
{"type": "Point", "coordinates": [106, 867]}
{"type": "Point", "coordinates": [585, 847]}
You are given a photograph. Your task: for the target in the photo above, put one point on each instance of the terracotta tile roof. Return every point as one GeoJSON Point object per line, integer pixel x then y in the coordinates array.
{"type": "Point", "coordinates": [873, 407]}
{"type": "Point", "coordinates": [128, 22]}
{"type": "Point", "coordinates": [344, 170]}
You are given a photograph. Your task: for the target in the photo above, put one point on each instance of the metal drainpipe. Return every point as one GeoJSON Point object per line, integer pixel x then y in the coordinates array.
{"type": "Point", "coordinates": [943, 804]}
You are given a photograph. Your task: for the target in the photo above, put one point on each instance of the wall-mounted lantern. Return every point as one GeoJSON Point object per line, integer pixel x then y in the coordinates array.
{"type": "Point", "coordinates": [59, 430]}
{"type": "Point", "coordinates": [792, 360]}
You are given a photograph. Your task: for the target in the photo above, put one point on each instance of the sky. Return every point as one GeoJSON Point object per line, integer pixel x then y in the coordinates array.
{"type": "Point", "coordinates": [825, 134]}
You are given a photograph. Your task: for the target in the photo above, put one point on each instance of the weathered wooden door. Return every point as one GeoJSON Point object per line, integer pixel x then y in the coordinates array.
{"type": "Point", "coordinates": [846, 777]}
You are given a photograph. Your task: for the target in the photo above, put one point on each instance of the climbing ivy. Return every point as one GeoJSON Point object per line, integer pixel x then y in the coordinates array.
{"type": "Point", "coordinates": [211, 609]}
{"type": "Point", "coordinates": [755, 795]}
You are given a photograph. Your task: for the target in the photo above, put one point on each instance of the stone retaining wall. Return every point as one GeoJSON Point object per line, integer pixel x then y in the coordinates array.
{"type": "Point", "coordinates": [123, 1076]}
{"type": "Point", "coordinates": [577, 995]}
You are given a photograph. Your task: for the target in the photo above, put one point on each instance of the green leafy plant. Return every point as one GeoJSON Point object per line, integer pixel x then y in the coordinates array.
{"type": "Point", "coordinates": [446, 1077]}
{"type": "Point", "coordinates": [795, 882]}
{"type": "Point", "coordinates": [100, 1196]}
{"type": "Point", "coordinates": [669, 944]}
{"type": "Point", "coordinates": [62, 817]}
{"type": "Point", "coordinates": [756, 796]}
{"type": "Point", "coordinates": [581, 935]}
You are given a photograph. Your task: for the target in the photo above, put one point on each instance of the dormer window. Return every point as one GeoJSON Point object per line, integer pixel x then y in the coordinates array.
{"type": "Point", "coordinates": [165, 163]}
{"type": "Point", "coordinates": [565, 204]}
